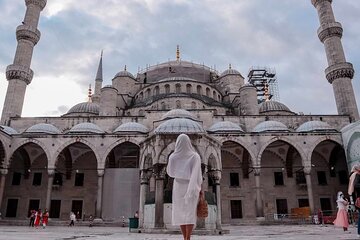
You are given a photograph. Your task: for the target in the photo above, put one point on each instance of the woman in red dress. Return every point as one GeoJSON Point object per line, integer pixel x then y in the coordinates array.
{"type": "Point", "coordinates": [45, 218]}
{"type": "Point", "coordinates": [37, 218]}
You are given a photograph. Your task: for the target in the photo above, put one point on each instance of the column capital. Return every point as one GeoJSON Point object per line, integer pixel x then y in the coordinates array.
{"type": "Point", "coordinates": [4, 171]}
{"type": "Point", "coordinates": [215, 175]}
{"type": "Point", "coordinates": [101, 172]}
{"type": "Point", "coordinates": [145, 175]}
{"type": "Point", "coordinates": [51, 172]}
{"type": "Point", "coordinates": [316, 2]}
{"type": "Point", "coordinates": [257, 170]}
{"type": "Point", "coordinates": [159, 170]}
{"type": "Point", "coordinates": [307, 170]}
{"type": "Point", "coordinates": [40, 3]}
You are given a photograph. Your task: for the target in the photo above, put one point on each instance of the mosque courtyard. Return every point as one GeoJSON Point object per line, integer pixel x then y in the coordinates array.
{"type": "Point", "coordinates": [289, 232]}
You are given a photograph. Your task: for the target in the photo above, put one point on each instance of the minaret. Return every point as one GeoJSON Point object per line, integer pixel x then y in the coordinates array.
{"type": "Point", "coordinates": [339, 73]}
{"type": "Point", "coordinates": [19, 73]}
{"type": "Point", "coordinates": [98, 82]}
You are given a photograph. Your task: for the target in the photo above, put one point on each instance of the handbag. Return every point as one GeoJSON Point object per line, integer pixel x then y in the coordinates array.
{"type": "Point", "coordinates": [357, 202]}
{"type": "Point", "coordinates": [202, 207]}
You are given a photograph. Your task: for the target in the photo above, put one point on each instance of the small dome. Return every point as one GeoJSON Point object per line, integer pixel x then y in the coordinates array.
{"type": "Point", "coordinates": [43, 128]}
{"type": "Point", "coordinates": [131, 127]}
{"type": "Point", "coordinates": [86, 128]}
{"type": "Point", "coordinates": [272, 106]}
{"type": "Point", "coordinates": [178, 113]}
{"type": "Point", "coordinates": [124, 74]}
{"type": "Point", "coordinates": [85, 107]}
{"type": "Point", "coordinates": [225, 126]}
{"type": "Point", "coordinates": [179, 125]}
{"type": "Point", "coordinates": [270, 126]}
{"type": "Point", "coordinates": [8, 130]}
{"type": "Point", "coordinates": [230, 72]}
{"type": "Point", "coordinates": [315, 126]}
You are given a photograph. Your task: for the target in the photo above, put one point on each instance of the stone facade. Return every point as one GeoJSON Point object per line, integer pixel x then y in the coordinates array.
{"type": "Point", "coordinates": [108, 157]}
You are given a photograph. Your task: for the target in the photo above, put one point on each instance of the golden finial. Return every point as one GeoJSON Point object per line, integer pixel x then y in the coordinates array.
{"type": "Point", "coordinates": [125, 68]}
{"type": "Point", "coordinates": [177, 53]}
{"type": "Point", "coordinates": [89, 93]}
{"type": "Point", "coordinates": [229, 65]}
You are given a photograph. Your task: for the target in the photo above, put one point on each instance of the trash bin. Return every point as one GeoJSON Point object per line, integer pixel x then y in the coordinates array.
{"type": "Point", "coordinates": [133, 223]}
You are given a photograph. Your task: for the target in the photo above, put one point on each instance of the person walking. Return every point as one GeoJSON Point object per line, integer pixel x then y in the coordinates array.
{"type": "Point", "coordinates": [38, 216]}
{"type": "Point", "coordinates": [342, 217]}
{"type": "Point", "coordinates": [32, 218]}
{"type": "Point", "coordinates": [354, 189]}
{"type": "Point", "coordinates": [72, 219]}
{"type": "Point", "coordinates": [185, 167]}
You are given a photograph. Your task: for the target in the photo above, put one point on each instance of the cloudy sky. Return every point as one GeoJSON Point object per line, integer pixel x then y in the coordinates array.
{"type": "Point", "coordinates": [279, 34]}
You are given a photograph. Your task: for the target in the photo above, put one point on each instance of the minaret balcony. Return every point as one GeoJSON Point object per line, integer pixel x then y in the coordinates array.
{"type": "Point", "coordinates": [40, 3]}
{"type": "Point", "coordinates": [316, 2]}
{"type": "Point", "coordinates": [19, 72]}
{"type": "Point", "coordinates": [26, 32]}
{"type": "Point", "coordinates": [340, 70]}
{"type": "Point", "coordinates": [330, 30]}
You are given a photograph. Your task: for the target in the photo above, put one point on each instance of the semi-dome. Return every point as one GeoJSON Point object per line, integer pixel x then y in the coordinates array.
{"type": "Point", "coordinates": [85, 107]}
{"type": "Point", "coordinates": [270, 126]}
{"type": "Point", "coordinates": [315, 126]}
{"type": "Point", "coordinates": [178, 113]}
{"type": "Point", "coordinates": [225, 126]}
{"type": "Point", "coordinates": [43, 128]}
{"type": "Point", "coordinates": [8, 130]}
{"type": "Point", "coordinates": [131, 127]}
{"type": "Point", "coordinates": [179, 125]}
{"type": "Point", "coordinates": [273, 106]}
{"type": "Point", "coordinates": [86, 128]}
{"type": "Point", "coordinates": [230, 72]}
{"type": "Point", "coordinates": [124, 74]}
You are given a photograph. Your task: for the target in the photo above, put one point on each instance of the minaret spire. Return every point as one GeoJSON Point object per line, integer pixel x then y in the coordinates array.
{"type": "Point", "coordinates": [98, 81]}
{"type": "Point", "coordinates": [19, 73]}
{"type": "Point", "coordinates": [339, 73]}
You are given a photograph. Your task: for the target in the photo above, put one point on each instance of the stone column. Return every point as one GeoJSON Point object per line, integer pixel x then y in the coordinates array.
{"type": "Point", "coordinates": [144, 187]}
{"type": "Point", "coordinates": [307, 171]}
{"type": "Point", "coordinates": [99, 194]}
{"type": "Point", "coordinates": [159, 171]}
{"type": "Point", "coordinates": [3, 173]}
{"type": "Point", "coordinates": [216, 176]}
{"type": "Point", "coordinates": [259, 201]}
{"type": "Point", "coordinates": [51, 174]}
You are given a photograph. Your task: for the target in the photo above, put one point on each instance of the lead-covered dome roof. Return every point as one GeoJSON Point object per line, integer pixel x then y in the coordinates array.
{"type": "Point", "coordinates": [179, 125]}
{"type": "Point", "coordinates": [178, 113]}
{"type": "Point", "coordinates": [43, 128]}
{"type": "Point", "coordinates": [225, 126]}
{"type": "Point", "coordinates": [86, 128]}
{"type": "Point", "coordinates": [133, 127]}
{"type": "Point", "coordinates": [230, 72]}
{"type": "Point", "coordinates": [8, 130]}
{"type": "Point", "coordinates": [85, 107]}
{"type": "Point", "coordinates": [270, 126]}
{"type": "Point", "coordinates": [124, 74]}
{"type": "Point", "coordinates": [315, 126]}
{"type": "Point", "coordinates": [273, 106]}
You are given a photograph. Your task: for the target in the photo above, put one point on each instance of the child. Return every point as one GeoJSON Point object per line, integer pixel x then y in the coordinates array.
{"type": "Point", "coordinates": [341, 217]}
{"type": "Point", "coordinates": [91, 220]}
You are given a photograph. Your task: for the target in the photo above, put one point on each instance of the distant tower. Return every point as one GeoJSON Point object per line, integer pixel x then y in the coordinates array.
{"type": "Point", "coordinates": [98, 82]}
{"type": "Point", "coordinates": [19, 73]}
{"type": "Point", "coordinates": [339, 73]}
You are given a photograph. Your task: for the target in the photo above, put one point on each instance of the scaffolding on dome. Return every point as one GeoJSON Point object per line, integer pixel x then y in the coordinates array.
{"type": "Point", "coordinates": [265, 81]}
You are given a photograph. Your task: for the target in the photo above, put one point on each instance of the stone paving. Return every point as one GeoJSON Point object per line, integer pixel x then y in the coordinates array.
{"type": "Point", "coordinates": [289, 232]}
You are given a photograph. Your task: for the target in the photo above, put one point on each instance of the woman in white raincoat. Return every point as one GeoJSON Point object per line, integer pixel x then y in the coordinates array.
{"type": "Point", "coordinates": [185, 167]}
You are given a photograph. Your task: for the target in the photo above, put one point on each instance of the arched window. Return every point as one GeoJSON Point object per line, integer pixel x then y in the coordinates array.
{"type": "Point", "coordinates": [208, 92]}
{"type": "Point", "coordinates": [156, 90]}
{"type": "Point", "coordinates": [214, 95]}
{"type": "Point", "coordinates": [193, 105]}
{"type": "Point", "coordinates": [188, 88]}
{"type": "Point", "coordinates": [167, 88]}
{"type": "Point", "coordinates": [141, 96]}
{"type": "Point", "coordinates": [148, 93]}
{"type": "Point", "coordinates": [219, 98]}
{"type": "Point", "coordinates": [163, 106]}
{"type": "Point", "coordinates": [178, 104]}
{"type": "Point", "coordinates": [199, 90]}
{"type": "Point", "coordinates": [178, 88]}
